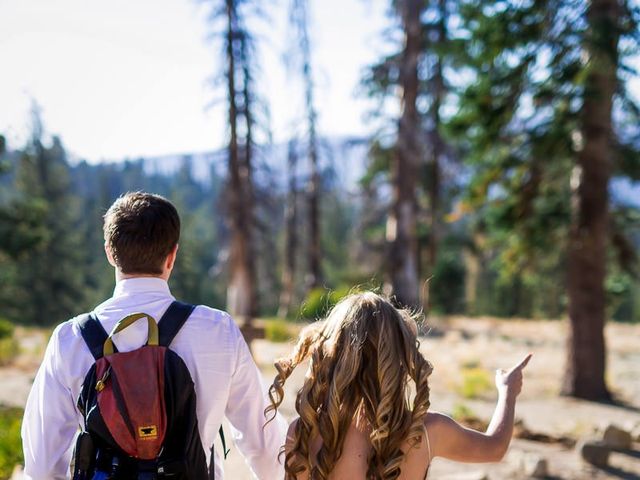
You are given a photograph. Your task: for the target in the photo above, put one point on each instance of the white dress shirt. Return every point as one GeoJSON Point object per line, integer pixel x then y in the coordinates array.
{"type": "Point", "coordinates": [227, 383]}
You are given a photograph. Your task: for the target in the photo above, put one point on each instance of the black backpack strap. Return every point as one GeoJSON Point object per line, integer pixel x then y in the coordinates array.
{"type": "Point", "coordinates": [93, 333]}
{"type": "Point", "coordinates": [172, 321]}
{"type": "Point", "coordinates": [225, 450]}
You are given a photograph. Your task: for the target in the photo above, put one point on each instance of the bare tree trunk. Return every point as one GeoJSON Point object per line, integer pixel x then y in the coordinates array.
{"type": "Point", "coordinates": [246, 176]}
{"type": "Point", "coordinates": [437, 143]}
{"type": "Point", "coordinates": [585, 369]}
{"type": "Point", "coordinates": [472, 268]}
{"type": "Point", "coordinates": [291, 235]}
{"type": "Point", "coordinates": [241, 289]}
{"type": "Point", "coordinates": [314, 276]}
{"type": "Point", "coordinates": [401, 224]}
{"type": "Point", "coordinates": [315, 249]}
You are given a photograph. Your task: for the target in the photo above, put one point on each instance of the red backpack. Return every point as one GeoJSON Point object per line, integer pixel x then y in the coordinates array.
{"type": "Point", "coordinates": [139, 407]}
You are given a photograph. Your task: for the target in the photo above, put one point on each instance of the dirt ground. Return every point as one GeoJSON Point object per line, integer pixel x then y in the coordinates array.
{"type": "Point", "coordinates": [486, 344]}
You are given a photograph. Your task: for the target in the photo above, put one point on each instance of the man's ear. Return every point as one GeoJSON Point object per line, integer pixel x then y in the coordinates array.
{"type": "Point", "coordinates": [171, 258]}
{"type": "Point", "coordinates": [107, 251]}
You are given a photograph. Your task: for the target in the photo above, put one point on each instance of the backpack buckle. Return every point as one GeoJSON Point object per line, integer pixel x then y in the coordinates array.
{"type": "Point", "coordinates": [100, 384]}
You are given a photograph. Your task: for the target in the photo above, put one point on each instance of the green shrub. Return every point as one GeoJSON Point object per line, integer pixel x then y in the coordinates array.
{"type": "Point", "coordinates": [320, 300]}
{"type": "Point", "coordinates": [9, 349]}
{"type": "Point", "coordinates": [475, 382]}
{"type": "Point", "coordinates": [461, 411]}
{"type": "Point", "coordinates": [470, 363]}
{"type": "Point", "coordinates": [10, 440]}
{"type": "Point", "coordinates": [277, 330]}
{"type": "Point", "coordinates": [464, 415]}
{"type": "Point", "coordinates": [6, 328]}
{"type": "Point", "coordinates": [446, 288]}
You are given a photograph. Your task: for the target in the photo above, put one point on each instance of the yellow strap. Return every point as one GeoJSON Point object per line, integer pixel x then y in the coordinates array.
{"type": "Point", "coordinates": [124, 323]}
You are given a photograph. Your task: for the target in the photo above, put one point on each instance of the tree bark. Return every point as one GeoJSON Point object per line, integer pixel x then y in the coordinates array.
{"type": "Point", "coordinates": [246, 176]}
{"type": "Point", "coordinates": [314, 276]}
{"type": "Point", "coordinates": [291, 235]}
{"type": "Point", "coordinates": [437, 142]}
{"type": "Point", "coordinates": [241, 290]}
{"type": "Point", "coordinates": [586, 353]}
{"type": "Point", "coordinates": [401, 223]}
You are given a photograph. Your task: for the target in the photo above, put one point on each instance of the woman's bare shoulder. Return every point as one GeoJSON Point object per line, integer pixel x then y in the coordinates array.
{"type": "Point", "coordinates": [437, 421]}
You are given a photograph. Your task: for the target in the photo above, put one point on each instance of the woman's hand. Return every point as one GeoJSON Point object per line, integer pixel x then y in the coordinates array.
{"type": "Point", "coordinates": [509, 382]}
{"type": "Point", "coordinates": [455, 442]}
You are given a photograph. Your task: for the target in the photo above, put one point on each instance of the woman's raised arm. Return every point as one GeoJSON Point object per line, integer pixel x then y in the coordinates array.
{"type": "Point", "coordinates": [451, 440]}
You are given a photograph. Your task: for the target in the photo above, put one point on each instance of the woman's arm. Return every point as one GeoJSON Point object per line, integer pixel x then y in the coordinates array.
{"type": "Point", "coordinates": [455, 442]}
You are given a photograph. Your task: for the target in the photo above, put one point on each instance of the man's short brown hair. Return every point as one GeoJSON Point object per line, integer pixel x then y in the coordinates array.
{"type": "Point", "coordinates": [141, 229]}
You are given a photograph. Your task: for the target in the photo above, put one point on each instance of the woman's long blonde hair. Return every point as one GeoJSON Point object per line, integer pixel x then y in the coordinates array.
{"type": "Point", "coordinates": [361, 359]}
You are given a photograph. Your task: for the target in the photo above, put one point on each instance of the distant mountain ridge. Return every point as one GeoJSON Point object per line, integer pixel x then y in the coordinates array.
{"type": "Point", "coordinates": [346, 155]}
{"type": "Point", "coordinates": [343, 158]}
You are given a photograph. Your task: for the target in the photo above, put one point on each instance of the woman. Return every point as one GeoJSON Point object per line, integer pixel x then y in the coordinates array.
{"type": "Point", "coordinates": [356, 418]}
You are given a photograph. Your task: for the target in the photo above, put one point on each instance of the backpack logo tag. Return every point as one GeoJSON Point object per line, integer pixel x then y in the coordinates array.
{"type": "Point", "coordinates": [148, 433]}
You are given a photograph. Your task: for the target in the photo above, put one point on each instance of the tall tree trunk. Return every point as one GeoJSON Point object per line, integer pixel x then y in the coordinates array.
{"type": "Point", "coordinates": [315, 249]}
{"type": "Point", "coordinates": [241, 288]}
{"type": "Point", "coordinates": [314, 276]}
{"type": "Point", "coordinates": [437, 142]}
{"type": "Point", "coordinates": [472, 268]}
{"type": "Point", "coordinates": [246, 176]}
{"type": "Point", "coordinates": [585, 369]}
{"type": "Point", "coordinates": [291, 235]}
{"type": "Point", "coordinates": [402, 261]}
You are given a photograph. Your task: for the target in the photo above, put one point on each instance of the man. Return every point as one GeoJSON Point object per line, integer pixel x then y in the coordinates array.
{"type": "Point", "coordinates": [141, 233]}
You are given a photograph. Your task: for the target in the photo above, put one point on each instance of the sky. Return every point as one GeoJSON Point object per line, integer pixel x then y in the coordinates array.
{"type": "Point", "coordinates": [124, 79]}
{"type": "Point", "coordinates": [135, 78]}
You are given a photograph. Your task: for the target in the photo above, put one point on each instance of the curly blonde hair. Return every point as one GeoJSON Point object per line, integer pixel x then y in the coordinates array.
{"type": "Point", "coordinates": [361, 359]}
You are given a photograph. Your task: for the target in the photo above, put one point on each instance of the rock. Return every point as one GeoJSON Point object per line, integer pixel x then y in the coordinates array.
{"type": "Point", "coordinates": [635, 433]}
{"type": "Point", "coordinates": [594, 452]}
{"type": "Point", "coordinates": [534, 465]}
{"type": "Point", "coordinates": [617, 438]}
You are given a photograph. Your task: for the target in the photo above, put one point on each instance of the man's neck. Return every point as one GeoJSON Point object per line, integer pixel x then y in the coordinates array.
{"type": "Point", "coordinates": [125, 276]}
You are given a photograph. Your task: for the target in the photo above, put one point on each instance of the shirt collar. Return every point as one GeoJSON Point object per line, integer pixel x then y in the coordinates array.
{"type": "Point", "coordinates": [129, 286]}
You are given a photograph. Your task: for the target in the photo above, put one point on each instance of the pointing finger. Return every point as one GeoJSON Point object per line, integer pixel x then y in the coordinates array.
{"type": "Point", "coordinates": [523, 363]}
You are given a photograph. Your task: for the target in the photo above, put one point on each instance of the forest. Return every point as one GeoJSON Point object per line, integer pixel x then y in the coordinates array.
{"type": "Point", "coordinates": [501, 178]}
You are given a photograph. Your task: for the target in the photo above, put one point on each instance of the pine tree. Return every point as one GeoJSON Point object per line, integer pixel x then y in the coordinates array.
{"type": "Point", "coordinates": [242, 289]}
{"type": "Point", "coordinates": [416, 73]}
{"type": "Point", "coordinates": [402, 262]}
{"type": "Point", "coordinates": [21, 228]}
{"type": "Point", "coordinates": [51, 279]}
{"type": "Point", "coordinates": [590, 226]}
{"type": "Point", "coordinates": [188, 272]}
{"type": "Point", "coordinates": [300, 21]}
{"type": "Point", "coordinates": [538, 123]}
{"type": "Point", "coordinates": [291, 233]}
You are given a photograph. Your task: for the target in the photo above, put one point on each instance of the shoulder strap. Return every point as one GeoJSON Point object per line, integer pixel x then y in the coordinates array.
{"type": "Point", "coordinates": [93, 334]}
{"type": "Point", "coordinates": [173, 320]}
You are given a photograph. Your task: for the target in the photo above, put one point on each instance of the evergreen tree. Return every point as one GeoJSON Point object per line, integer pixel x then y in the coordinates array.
{"type": "Point", "coordinates": [198, 238]}
{"type": "Point", "coordinates": [242, 290]}
{"type": "Point", "coordinates": [300, 21]}
{"type": "Point", "coordinates": [402, 262]}
{"type": "Point", "coordinates": [413, 156]}
{"type": "Point", "coordinates": [543, 137]}
{"type": "Point", "coordinates": [20, 220]}
{"type": "Point", "coordinates": [50, 281]}
{"type": "Point", "coordinates": [291, 233]}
